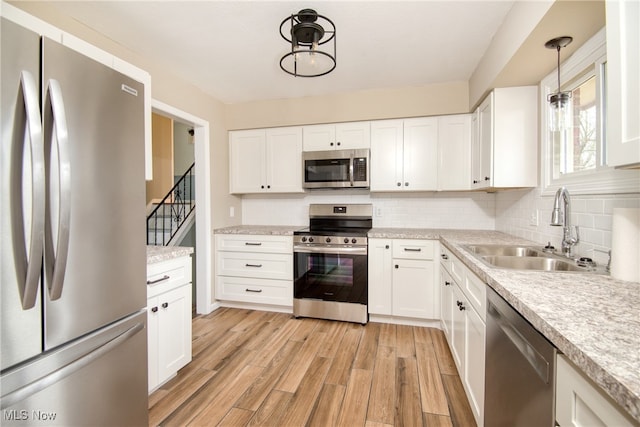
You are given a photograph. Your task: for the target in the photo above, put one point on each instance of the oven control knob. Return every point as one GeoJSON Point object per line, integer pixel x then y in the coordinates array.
{"type": "Point", "coordinates": [310, 239]}
{"type": "Point", "coordinates": [304, 239]}
{"type": "Point", "coordinates": [346, 240]}
{"type": "Point", "coordinates": [328, 240]}
{"type": "Point", "coordinates": [354, 241]}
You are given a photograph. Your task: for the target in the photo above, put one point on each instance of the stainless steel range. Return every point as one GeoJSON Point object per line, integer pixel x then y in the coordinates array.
{"type": "Point", "coordinates": [331, 263]}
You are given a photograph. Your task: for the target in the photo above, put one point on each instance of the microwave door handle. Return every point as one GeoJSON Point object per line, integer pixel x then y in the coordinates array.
{"type": "Point", "coordinates": [351, 168]}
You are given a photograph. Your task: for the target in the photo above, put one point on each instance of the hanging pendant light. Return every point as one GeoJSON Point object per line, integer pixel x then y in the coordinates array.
{"type": "Point", "coordinates": [559, 101]}
{"type": "Point", "coordinates": [309, 35]}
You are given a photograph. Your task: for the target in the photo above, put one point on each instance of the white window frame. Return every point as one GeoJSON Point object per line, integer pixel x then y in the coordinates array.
{"type": "Point", "coordinates": [602, 179]}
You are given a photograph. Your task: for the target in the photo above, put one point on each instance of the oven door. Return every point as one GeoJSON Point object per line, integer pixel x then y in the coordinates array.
{"type": "Point", "coordinates": [331, 274]}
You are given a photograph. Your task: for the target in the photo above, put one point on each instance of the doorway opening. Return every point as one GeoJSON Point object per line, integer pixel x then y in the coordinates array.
{"type": "Point", "coordinates": [189, 137]}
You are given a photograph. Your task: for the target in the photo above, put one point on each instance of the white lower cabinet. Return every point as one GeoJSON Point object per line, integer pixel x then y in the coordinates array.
{"type": "Point", "coordinates": [168, 318]}
{"type": "Point", "coordinates": [256, 269]}
{"type": "Point", "coordinates": [580, 403]}
{"type": "Point", "coordinates": [463, 312]}
{"type": "Point", "coordinates": [403, 278]}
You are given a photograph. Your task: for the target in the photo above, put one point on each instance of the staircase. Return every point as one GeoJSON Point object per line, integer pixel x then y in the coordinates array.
{"type": "Point", "coordinates": [174, 214]}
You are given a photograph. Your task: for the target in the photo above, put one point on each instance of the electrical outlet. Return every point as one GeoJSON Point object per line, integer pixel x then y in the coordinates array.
{"type": "Point", "coordinates": [533, 218]}
{"type": "Point", "coordinates": [378, 212]}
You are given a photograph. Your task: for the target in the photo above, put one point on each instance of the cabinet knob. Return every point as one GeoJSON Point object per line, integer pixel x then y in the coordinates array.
{"type": "Point", "coordinates": [331, 144]}
{"type": "Point", "coordinates": [447, 283]}
{"type": "Point", "coordinates": [262, 186]}
{"type": "Point", "coordinates": [338, 143]}
{"type": "Point", "coordinates": [165, 304]}
{"type": "Point", "coordinates": [386, 246]}
{"type": "Point", "coordinates": [397, 266]}
{"type": "Point", "coordinates": [444, 256]}
{"type": "Point", "coordinates": [399, 184]}
{"type": "Point", "coordinates": [486, 178]}
{"type": "Point", "coordinates": [458, 303]}
{"type": "Point", "coordinates": [268, 186]}
{"type": "Point", "coordinates": [475, 181]}
{"type": "Point", "coordinates": [154, 309]}
{"type": "Point", "coordinates": [406, 184]}
{"type": "Point", "coordinates": [462, 307]}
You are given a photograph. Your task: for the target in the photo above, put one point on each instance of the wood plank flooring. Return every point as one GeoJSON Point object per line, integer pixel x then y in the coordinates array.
{"type": "Point", "coordinates": [254, 368]}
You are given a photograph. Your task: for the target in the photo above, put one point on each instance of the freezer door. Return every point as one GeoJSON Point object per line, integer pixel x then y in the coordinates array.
{"type": "Point", "coordinates": [98, 380]}
{"type": "Point", "coordinates": [21, 195]}
{"type": "Point", "coordinates": [95, 254]}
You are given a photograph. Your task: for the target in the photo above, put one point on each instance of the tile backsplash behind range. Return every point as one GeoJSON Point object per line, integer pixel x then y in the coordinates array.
{"type": "Point", "coordinates": [421, 210]}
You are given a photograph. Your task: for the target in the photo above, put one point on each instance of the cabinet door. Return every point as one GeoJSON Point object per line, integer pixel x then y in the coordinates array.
{"type": "Point", "coordinates": [579, 403]}
{"type": "Point", "coordinates": [485, 143]}
{"type": "Point", "coordinates": [623, 84]}
{"type": "Point", "coordinates": [412, 293]}
{"type": "Point", "coordinates": [354, 135]}
{"type": "Point", "coordinates": [152, 341]}
{"type": "Point", "coordinates": [454, 150]}
{"type": "Point", "coordinates": [446, 302]}
{"type": "Point", "coordinates": [319, 137]}
{"type": "Point", "coordinates": [174, 331]}
{"type": "Point", "coordinates": [474, 340]}
{"type": "Point", "coordinates": [476, 157]}
{"type": "Point", "coordinates": [247, 167]}
{"type": "Point", "coordinates": [284, 160]}
{"type": "Point", "coordinates": [386, 155]}
{"type": "Point", "coordinates": [420, 154]}
{"type": "Point", "coordinates": [380, 276]}
{"type": "Point", "coordinates": [457, 330]}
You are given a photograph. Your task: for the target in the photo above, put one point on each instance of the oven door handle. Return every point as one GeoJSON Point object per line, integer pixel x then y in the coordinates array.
{"type": "Point", "coordinates": [330, 250]}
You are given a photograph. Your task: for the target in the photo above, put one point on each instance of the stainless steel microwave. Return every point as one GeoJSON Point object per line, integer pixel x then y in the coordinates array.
{"type": "Point", "coordinates": [336, 169]}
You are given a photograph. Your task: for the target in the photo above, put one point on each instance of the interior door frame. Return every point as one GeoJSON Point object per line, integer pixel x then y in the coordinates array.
{"type": "Point", "coordinates": [203, 201]}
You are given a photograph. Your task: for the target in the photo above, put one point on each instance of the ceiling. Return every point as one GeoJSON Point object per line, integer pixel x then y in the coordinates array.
{"type": "Point", "coordinates": [231, 49]}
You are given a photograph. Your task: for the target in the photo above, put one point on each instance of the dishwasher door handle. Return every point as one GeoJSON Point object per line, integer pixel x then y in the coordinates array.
{"type": "Point", "coordinates": [535, 359]}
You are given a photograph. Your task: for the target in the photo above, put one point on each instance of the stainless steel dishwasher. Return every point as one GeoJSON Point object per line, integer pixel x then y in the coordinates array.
{"type": "Point", "coordinates": [520, 370]}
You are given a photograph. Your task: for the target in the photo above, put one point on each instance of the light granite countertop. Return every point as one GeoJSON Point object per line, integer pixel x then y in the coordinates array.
{"type": "Point", "coordinates": [592, 318]}
{"type": "Point", "coordinates": [165, 253]}
{"type": "Point", "coordinates": [268, 230]}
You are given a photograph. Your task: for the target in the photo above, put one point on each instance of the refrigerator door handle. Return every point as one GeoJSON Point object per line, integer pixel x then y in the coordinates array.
{"type": "Point", "coordinates": [59, 257]}
{"type": "Point", "coordinates": [41, 383]}
{"type": "Point", "coordinates": [29, 288]}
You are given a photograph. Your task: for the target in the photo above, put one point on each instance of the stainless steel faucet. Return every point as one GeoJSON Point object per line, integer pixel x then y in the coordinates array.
{"type": "Point", "coordinates": [568, 240]}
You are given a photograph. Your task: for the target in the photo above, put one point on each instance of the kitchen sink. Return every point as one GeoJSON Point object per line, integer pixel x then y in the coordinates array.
{"type": "Point", "coordinates": [541, 263]}
{"type": "Point", "coordinates": [518, 257]}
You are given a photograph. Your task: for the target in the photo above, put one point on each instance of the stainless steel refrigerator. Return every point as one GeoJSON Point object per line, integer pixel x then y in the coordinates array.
{"type": "Point", "coordinates": [72, 234]}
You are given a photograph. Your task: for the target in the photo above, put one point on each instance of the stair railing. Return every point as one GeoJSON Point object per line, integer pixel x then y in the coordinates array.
{"type": "Point", "coordinates": [179, 205]}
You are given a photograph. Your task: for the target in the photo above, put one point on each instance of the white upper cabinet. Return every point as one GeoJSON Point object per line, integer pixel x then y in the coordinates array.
{"type": "Point", "coordinates": [266, 160]}
{"type": "Point", "coordinates": [404, 155]}
{"type": "Point", "coordinates": [337, 136]}
{"type": "Point", "coordinates": [623, 83]}
{"type": "Point", "coordinates": [505, 146]}
{"type": "Point", "coordinates": [454, 152]}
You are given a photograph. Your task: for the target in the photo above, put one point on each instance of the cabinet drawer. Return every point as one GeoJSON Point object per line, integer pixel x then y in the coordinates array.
{"type": "Point", "coordinates": [254, 243]}
{"type": "Point", "coordinates": [413, 249]}
{"type": "Point", "coordinates": [259, 265]}
{"type": "Point", "coordinates": [476, 292]}
{"type": "Point", "coordinates": [166, 275]}
{"type": "Point", "coordinates": [259, 291]}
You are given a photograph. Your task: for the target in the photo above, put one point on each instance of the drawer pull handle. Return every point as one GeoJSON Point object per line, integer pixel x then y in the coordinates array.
{"type": "Point", "coordinates": [412, 249]}
{"type": "Point", "coordinates": [253, 265]}
{"type": "Point", "coordinates": [444, 256]}
{"type": "Point", "coordinates": [253, 243]}
{"type": "Point", "coordinates": [162, 279]}
{"type": "Point", "coordinates": [257, 291]}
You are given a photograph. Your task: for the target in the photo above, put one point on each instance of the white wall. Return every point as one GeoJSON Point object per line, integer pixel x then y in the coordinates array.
{"type": "Point", "coordinates": [591, 213]}
{"type": "Point", "coordinates": [423, 210]}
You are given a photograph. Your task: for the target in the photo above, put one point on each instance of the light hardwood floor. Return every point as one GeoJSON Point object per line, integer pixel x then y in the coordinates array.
{"type": "Point", "coordinates": [255, 368]}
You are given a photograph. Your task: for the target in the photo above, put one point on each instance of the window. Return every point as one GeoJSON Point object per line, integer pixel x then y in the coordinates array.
{"type": "Point", "coordinates": [576, 157]}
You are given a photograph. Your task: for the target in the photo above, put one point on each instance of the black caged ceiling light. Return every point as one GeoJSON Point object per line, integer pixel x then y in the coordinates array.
{"type": "Point", "coordinates": [559, 101]}
{"type": "Point", "coordinates": [313, 44]}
